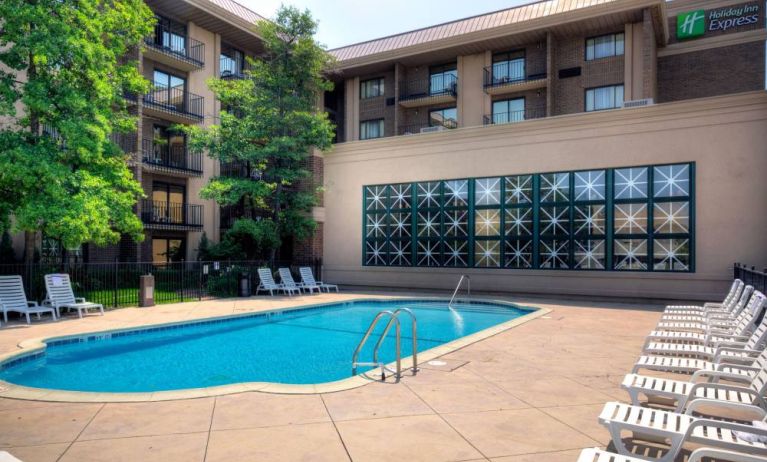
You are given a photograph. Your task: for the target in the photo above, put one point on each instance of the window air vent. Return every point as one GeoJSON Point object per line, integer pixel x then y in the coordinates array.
{"type": "Point", "coordinates": [638, 103]}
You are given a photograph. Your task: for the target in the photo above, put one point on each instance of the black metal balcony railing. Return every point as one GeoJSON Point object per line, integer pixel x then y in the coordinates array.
{"type": "Point", "coordinates": [514, 116]}
{"type": "Point", "coordinates": [175, 157]}
{"type": "Point", "coordinates": [436, 85]}
{"type": "Point", "coordinates": [508, 73]}
{"type": "Point", "coordinates": [175, 100]}
{"type": "Point", "coordinates": [179, 46]}
{"type": "Point", "coordinates": [171, 214]}
{"type": "Point", "coordinates": [125, 141]}
{"type": "Point", "coordinates": [414, 129]}
{"type": "Point", "coordinates": [229, 68]}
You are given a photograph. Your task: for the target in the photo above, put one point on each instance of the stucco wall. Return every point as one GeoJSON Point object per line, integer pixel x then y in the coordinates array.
{"type": "Point", "coordinates": [725, 136]}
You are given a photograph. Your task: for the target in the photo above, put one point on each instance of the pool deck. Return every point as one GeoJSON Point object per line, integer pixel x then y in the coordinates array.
{"type": "Point", "coordinates": [530, 393]}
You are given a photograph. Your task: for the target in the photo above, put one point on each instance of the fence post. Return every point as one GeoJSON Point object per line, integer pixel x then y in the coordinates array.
{"type": "Point", "coordinates": [116, 270]}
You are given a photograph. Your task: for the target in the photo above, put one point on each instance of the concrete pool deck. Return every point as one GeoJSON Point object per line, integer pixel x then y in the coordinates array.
{"type": "Point", "coordinates": [530, 393]}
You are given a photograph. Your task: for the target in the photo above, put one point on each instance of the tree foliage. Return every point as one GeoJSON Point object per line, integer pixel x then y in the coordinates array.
{"type": "Point", "coordinates": [269, 124]}
{"type": "Point", "coordinates": [63, 74]}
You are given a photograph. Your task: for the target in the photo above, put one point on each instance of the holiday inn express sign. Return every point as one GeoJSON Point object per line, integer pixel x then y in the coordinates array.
{"type": "Point", "coordinates": [693, 24]}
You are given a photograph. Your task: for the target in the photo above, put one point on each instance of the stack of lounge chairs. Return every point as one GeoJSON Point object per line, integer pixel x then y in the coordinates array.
{"type": "Point", "coordinates": [288, 285]}
{"type": "Point", "coordinates": [703, 376]}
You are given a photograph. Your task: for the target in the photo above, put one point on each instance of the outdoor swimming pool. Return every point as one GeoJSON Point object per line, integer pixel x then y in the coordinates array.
{"type": "Point", "coordinates": [299, 346]}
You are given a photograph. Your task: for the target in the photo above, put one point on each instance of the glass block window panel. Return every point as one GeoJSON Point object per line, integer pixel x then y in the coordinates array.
{"type": "Point", "coordinates": [671, 181]}
{"type": "Point", "coordinates": [456, 193]}
{"type": "Point", "coordinates": [428, 224]}
{"type": "Point", "coordinates": [630, 183]}
{"type": "Point", "coordinates": [590, 220]}
{"type": "Point", "coordinates": [630, 254]}
{"type": "Point", "coordinates": [375, 227]}
{"type": "Point", "coordinates": [428, 253]}
{"type": "Point", "coordinates": [671, 217]}
{"type": "Point", "coordinates": [555, 187]}
{"type": "Point", "coordinates": [487, 223]}
{"type": "Point", "coordinates": [487, 191]}
{"type": "Point", "coordinates": [487, 253]}
{"type": "Point", "coordinates": [519, 222]}
{"type": "Point", "coordinates": [519, 190]}
{"type": "Point", "coordinates": [375, 197]}
{"type": "Point", "coordinates": [554, 253]}
{"type": "Point", "coordinates": [400, 196]}
{"type": "Point", "coordinates": [399, 224]}
{"type": "Point", "coordinates": [456, 253]}
{"type": "Point", "coordinates": [519, 253]}
{"type": "Point", "coordinates": [589, 254]}
{"type": "Point", "coordinates": [630, 219]}
{"type": "Point", "coordinates": [400, 253]}
{"type": "Point", "coordinates": [375, 253]}
{"type": "Point", "coordinates": [671, 255]}
{"type": "Point", "coordinates": [428, 195]}
{"type": "Point", "coordinates": [589, 186]}
{"type": "Point", "coordinates": [554, 220]}
{"type": "Point", "coordinates": [456, 223]}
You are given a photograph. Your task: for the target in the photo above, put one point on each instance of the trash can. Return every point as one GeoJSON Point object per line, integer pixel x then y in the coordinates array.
{"type": "Point", "coordinates": [244, 285]}
{"type": "Point", "coordinates": [146, 291]}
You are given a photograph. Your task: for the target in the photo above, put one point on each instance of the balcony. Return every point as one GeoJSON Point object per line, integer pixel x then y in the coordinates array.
{"type": "Point", "coordinates": [416, 129]}
{"type": "Point", "coordinates": [179, 51]}
{"type": "Point", "coordinates": [175, 104]}
{"type": "Point", "coordinates": [171, 216]}
{"type": "Point", "coordinates": [510, 77]}
{"type": "Point", "coordinates": [125, 141]}
{"type": "Point", "coordinates": [230, 69]}
{"type": "Point", "coordinates": [500, 118]}
{"type": "Point", "coordinates": [170, 159]}
{"type": "Point", "coordinates": [439, 89]}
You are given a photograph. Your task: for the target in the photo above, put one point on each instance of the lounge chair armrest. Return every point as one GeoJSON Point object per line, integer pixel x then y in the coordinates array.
{"type": "Point", "coordinates": [726, 344]}
{"type": "Point", "coordinates": [728, 425]}
{"type": "Point", "coordinates": [757, 409]}
{"type": "Point", "coordinates": [32, 304]}
{"type": "Point", "coordinates": [724, 334]}
{"type": "Point", "coordinates": [724, 367]}
{"type": "Point", "coordinates": [714, 376]}
{"type": "Point", "coordinates": [747, 351]}
{"type": "Point", "coordinates": [700, 454]}
{"type": "Point", "coordinates": [79, 299]}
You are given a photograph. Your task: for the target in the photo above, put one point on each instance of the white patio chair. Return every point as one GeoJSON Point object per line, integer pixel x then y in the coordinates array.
{"type": "Point", "coordinates": [698, 455]}
{"type": "Point", "coordinates": [60, 295]}
{"type": "Point", "coordinates": [655, 425]}
{"type": "Point", "coordinates": [266, 283]}
{"type": "Point", "coordinates": [287, 281]}
{"type": "Point", "coordinates": [732, 297]}
{"type": "Point", "coordinates": [307, 278]}
{"type": "Point", "coordinates": [13, 298]}
{"type": "Point", "coordinates": [687, 365]}
{"type": "Point", "coordinates": [698, 323]}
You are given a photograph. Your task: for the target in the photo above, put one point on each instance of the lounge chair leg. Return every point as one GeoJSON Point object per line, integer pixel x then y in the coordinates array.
{"type": "Point", "coordinates": [29, 321]}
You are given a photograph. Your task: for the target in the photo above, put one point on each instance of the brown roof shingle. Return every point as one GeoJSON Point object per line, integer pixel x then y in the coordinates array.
{"type": "Point", "coordinates": [462, 26]}
{"type": "Point", "coordinates": [238, 10]}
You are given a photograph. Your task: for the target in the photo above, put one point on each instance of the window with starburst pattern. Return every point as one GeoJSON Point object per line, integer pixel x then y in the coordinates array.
{"type": "Point", "coordinates": [621, 219]}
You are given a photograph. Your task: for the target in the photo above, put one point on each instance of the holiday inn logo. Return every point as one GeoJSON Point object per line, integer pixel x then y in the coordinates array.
{"type": "Point", "coordinates": [691, 24]}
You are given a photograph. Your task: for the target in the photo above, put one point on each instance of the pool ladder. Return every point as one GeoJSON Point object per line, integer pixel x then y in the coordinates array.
{"type": "Point", "coordinates": [393, 320]}
{"type": "Point", "coordinates": [455, 292]}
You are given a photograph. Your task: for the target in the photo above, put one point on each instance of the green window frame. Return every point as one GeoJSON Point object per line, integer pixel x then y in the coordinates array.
{"type": "Point", "coordinates": [637, 218]}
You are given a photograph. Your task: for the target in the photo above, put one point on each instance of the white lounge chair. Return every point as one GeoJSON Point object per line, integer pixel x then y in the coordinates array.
{"type": "Point", "coordinates": [691, 394]}
{"type": "Point", "coordinates": [731, 349]}
{"type": "Point", "coordinates": [698, 455]}
{"type": "Point", "coordinates": [697, 323]}
{"type": "Point", "coordinates": [654, 424]}
{"type": "Point", "coordinates": [60, 295]}
{"type": "Point", "coordinates": [266, 284]}
{"type": "Point", "coordinates": [13, 298]}
{"type": "Point", "coordinates": [730, 310]}
{"type": "Point", "coordinates": [687, 365]}
{"type": "Point", "coordinates": [307, 278]}
{"type": "Point", "coordinates": [287, 280]}
{"type": "Point", "coordinates": [732, 297]}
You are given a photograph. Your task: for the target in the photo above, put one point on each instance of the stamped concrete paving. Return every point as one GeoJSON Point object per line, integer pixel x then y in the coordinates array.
{"type": "Point", "coordinates": [532, 393]}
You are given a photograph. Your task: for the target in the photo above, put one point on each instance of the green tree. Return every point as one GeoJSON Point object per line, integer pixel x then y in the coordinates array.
{"type": "Point", "coordinates": [63, 75]}
{"type": "Point", "coordinates": [269, 124]}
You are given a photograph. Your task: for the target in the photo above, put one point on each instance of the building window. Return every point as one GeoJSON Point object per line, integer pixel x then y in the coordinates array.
{"type": "Point", "coordinates": [604, 46]}
{"type": "Point", "coordinates": [447, 117]}
{"type": "Point", "coordinates": [168, 203]}
{"type": "Point", "coordinates": [443, 79]}
{"type": "Point", "coordinates": [508, 67]}
{"type": "Point", "coordinates": [370, 129]}
{"type": "Point", "coordinates": [167, 250]}
{"type": "Point", "coordinates": [231, 62]}
{"type": "Point", "coordinates": [170, 34]}
{"type": "Point", "coordinates": [622, 219]}
{"type": "Point", "coordinates": [509, 110]}
{"type": "Point", "coordinates": [371, 88]}
{"type": "Point", "coordinates": [601, 98]}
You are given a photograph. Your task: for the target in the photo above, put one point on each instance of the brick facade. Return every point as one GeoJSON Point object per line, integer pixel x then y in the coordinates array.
{"type": "Point", "coordinates": [310, 249]}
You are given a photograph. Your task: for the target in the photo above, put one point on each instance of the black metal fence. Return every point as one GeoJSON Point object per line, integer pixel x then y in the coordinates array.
{"type": "Point", "coordinates": [117, 284]}
{"type": "Point", "coordinates": [170, 42]}
{"type": "Point", "coordinates": [171, 213]}
{"type": "Point", "coordinates": [175, 100]}
{"type": "Point", "coordinates": [751, 276]}
{"type": "Point", "coordinates": [172, 156]}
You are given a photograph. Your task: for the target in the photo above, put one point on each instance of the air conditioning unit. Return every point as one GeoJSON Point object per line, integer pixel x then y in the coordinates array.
{"type": "Point", "coordinates": [437, 128]}
{"type": "Point", "coordinates": [639, 103]}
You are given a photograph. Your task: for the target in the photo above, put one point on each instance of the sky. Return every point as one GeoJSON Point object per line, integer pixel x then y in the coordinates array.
{"type": "Point", "coordinates": [343, 22]}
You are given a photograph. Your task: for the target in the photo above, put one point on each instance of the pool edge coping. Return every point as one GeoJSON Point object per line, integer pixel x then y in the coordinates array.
{"type": "Point", "coordinates": [35, 345]}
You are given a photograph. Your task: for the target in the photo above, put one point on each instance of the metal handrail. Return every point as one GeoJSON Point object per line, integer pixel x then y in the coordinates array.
{"type": "Point", "coordinates": [455, 292]}
{"type": "Point", "coordinates": [367, 335]}
{"type": "Point", "coordinates": [414, 333]}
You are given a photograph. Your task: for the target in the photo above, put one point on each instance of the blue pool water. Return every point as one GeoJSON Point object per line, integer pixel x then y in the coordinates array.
{"type": "Point", "coordinates": [307, 345]}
